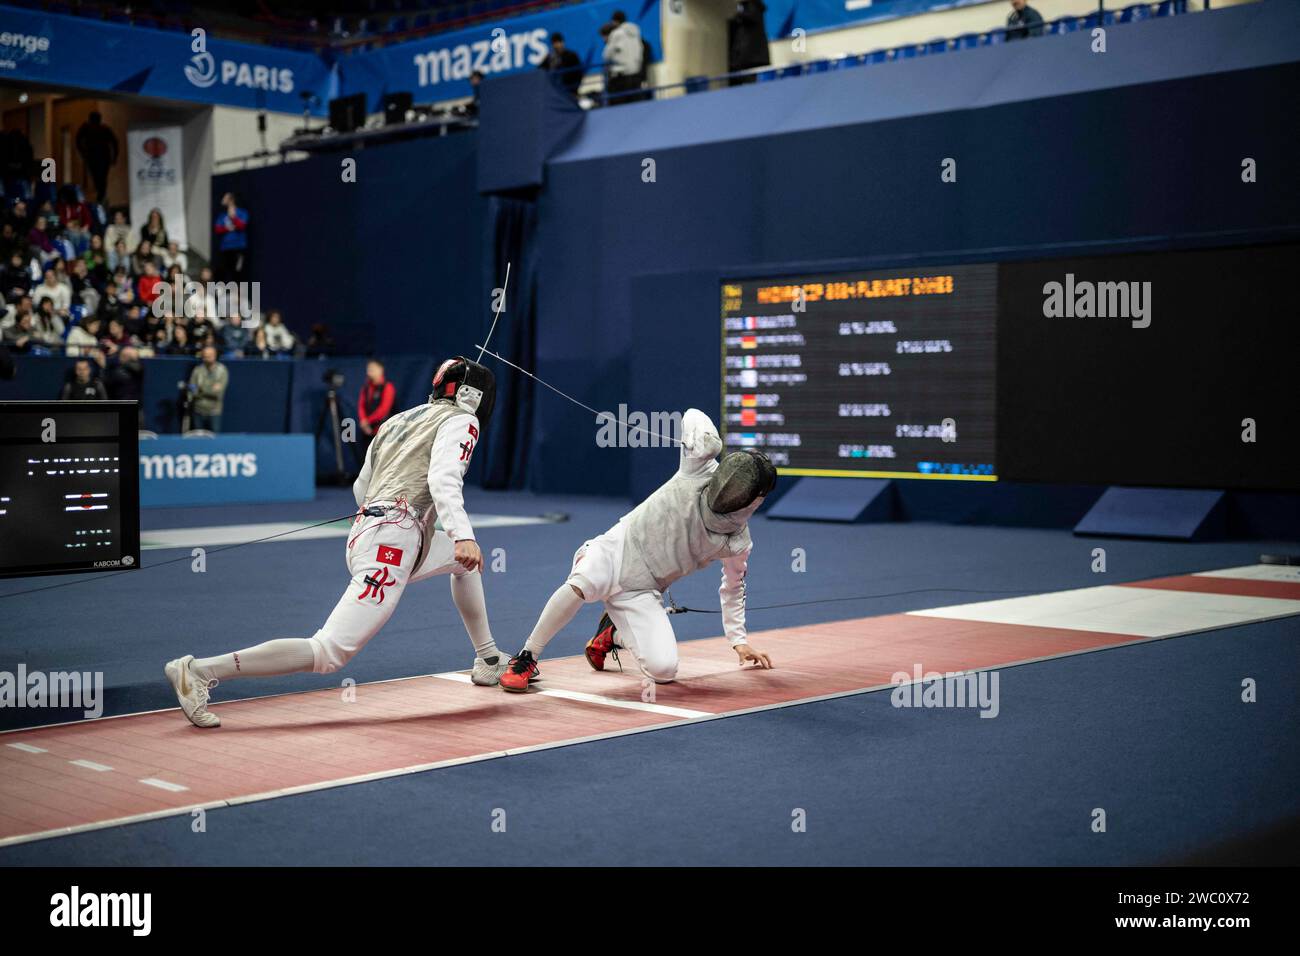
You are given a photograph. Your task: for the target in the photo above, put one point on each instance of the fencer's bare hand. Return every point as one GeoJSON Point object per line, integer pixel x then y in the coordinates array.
{"type": "Point", "coordinates": [468, 555]}
{"type": "Point", "coordinates": [748, 655]}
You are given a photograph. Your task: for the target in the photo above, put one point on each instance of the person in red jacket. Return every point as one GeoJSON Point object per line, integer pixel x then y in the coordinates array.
{"type": "Point", "coordinates": [374, 405]}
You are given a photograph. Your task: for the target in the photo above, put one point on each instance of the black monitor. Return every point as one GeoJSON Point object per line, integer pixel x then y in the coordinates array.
{"type": "Point", "coordinates": [395, 107]}
{"type": "Point", "coordinates": [69, 487]}
{"type": "Point", "coordinates": [348, 113]}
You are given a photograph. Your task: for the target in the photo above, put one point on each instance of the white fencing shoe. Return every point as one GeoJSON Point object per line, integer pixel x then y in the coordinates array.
{"type": "Point", "coordinates": [192, 692]}
{"type": "Point", "coordinates": [488, 670]}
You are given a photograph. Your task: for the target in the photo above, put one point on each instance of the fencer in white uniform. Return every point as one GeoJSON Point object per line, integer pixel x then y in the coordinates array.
{"type": "Point", "coordinates": [698, 516]}
{"type": "Point", "coordinates": [412, 477]}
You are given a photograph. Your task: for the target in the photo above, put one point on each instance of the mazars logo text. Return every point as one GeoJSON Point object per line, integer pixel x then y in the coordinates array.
{"type": "Point", "coordinates": [495, 54]}
{"type": "Point", "coordinates": [103, 909]}
{"type": "Point", "coordinates": [1100, 300]}
{"type": "Point", "coordinates": [200, 465]}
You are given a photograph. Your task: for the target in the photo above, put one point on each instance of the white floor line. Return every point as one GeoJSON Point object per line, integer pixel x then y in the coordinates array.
{"type": "Point", "coordinates": [645, 706]}
{"type": "Point", "coordinates": [91, 765]}
{"type": "Point", "coordinates": [28, 748]}
{"type": "Point", "coordinates": [212, 536]}
{"type": "Point", "coordinates": [164, 784]}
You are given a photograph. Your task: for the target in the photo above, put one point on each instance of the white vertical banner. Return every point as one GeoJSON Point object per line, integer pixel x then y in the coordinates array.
{"type": "Point", "coordinates": [157, 178]}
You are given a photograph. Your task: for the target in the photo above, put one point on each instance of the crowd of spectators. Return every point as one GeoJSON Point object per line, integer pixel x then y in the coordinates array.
{"type": "Point", "coordinates": [85, 282]}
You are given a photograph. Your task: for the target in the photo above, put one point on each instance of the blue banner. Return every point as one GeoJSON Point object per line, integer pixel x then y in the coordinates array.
{"type": "Point", "coordinates": [75, 51]}
{"type": "Point", "coordinates": [226, 469]}
{"type": "Point", "coordinates": [438, 67]}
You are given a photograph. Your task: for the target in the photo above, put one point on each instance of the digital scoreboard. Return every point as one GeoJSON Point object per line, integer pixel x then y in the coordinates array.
{"type": "Point", "coordinates": [883, 373]}
{"type": "Point", "coordinates": [69, 487]}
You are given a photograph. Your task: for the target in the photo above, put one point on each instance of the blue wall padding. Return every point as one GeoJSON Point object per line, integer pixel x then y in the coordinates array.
{"type": "Point", "coordinates": [1178, 513]}
{"type": "Point", "coordinates": [524, 119]}
{"type": "Point", "coordinates": [390, 263]}
{"type": "Point", "coordinates": [834, 499]}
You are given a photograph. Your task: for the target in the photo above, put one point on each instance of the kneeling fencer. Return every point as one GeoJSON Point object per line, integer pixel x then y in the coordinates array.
{"type": "Point", "coordinates": [698, 516]}
{"type": "Point", "coordinates": [413, 474]}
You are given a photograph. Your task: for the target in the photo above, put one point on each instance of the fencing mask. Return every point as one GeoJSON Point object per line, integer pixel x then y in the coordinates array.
{"type": "Point", "coordinates": [740, 478]}
{"type": "Point", "coordinates": [466, 384]}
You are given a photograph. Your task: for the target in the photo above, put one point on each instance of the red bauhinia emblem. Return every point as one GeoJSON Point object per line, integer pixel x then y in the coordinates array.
{"type": "Point", "coordinates": [375, 584]}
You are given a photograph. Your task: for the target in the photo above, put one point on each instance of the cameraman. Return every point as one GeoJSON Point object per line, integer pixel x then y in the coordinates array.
{"type": "Point", "coordinates": [207, 385]}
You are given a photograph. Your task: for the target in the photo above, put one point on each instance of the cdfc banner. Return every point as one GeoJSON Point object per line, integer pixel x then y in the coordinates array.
{"type": "Point", "coordinates": [157, 177]}
{"type": "Point", "coordinates": [438, 67]}
{"type": "Point", "coordinates": [76, 51]}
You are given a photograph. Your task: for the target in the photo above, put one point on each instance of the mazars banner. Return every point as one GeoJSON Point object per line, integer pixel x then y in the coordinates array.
{"type": "Point", "coordinates": [157, 180]}
{"type": "Point", "coordinates": [75, 51]}
{"type": "Point", "coordinates": [439, 67]}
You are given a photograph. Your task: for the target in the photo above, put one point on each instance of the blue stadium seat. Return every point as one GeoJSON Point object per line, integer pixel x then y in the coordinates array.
{"type": "Point", "coordinates": [1064, 25]}
{"type": "Point", "coordinates": [904, 52]}
{"type": "Point", "coordinates": [966, 41]}
{"type": "Point", "coordinates": [817, 66]}
{"type": "Point", "coordinates": [1138, 11]}
{"type": "Point", "coordinates": [397, 25]}
{"type": "Point", "coordinates": [937, 46]}
{"type": "Point", "coordinates": [993, 38]}
{"type": "Point", "coordinates": [76, 313]}
{"type": "Point", "coordinates": [789, 71]}
{"type": "Point", "coordinates": [879, 56]}
{"type": "Point", "coordinates": [767, 76]}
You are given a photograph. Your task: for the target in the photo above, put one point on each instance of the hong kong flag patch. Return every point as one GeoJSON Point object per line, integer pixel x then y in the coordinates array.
{"type": "Point", "coordinates": [389, 555]}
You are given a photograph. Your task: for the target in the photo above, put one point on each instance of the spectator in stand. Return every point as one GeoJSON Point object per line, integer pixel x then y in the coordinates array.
{"type": "Point", "coordinates": [71, 209]}
{"type": "Point", "coordinates": [20, 337]}
{"type": "Point", "coordinates": [16, 311]}
{"type": "Point", "coordinates": [747, 40]}
{"type": "Point", "coordinates": [149, 286]}
{"type": "Point", "coordinates": [172, 256]}
{"type": "Point", "coordinates": [623, 53]}
{"type": "Point", "coordinates": [10, 241]}
{"type": "Point", "coordinates": [564, 66]}
{"type": "Point", "coordinates": [144, 254]}
{"type": "Point", "coordinates": [118, 257]}
{"type": "Point", "coordinates": [99, 150]}
{"type": "Point", "coordinates": [231, 228]}
{"type": "Point", "coordinates": [17, 277]}
{"type": "Point", "coordinates": [53, 290]}
{"type": "Point", "coordinates": [83, 338]}
{"type": "Point", "coordinates": [17, 162]}
{"type": "Point", "coordinates": [118, 231]}
{"type": "Point", "coordinates": [234, 335]}
{"type": "Point", "coordinates": [83, 290]}
{"type": "Point", "coordinates": [84, 386]}
{"type": "Point", "coordinates": [155, 230]}
{"type": "Point", "coordinates": [48, 325]}
{"type": "Point", "coordinates": [208, 384]}
{"type": "Point", "coordinates": [96, 260]}
{"type": "Point", "coordinates": [179, 341]}
{"type": "Point", "coordinates": [77, 236]}
{"type": "Point", "coordinates": [19, 217]}
{"type": "Point", "coordinates": [145, 325]}
{"type": "Point", "coordinates": [124, 379]}
{"type": "Point", "coordinates": [1023, 21]}
{"type": "Point", "coordinates": [320, 343]}
{"type": "Point", "coordinates": [258, 347]}
{"type": "Point", "coordinates": [38, 240]}
{"type": "Point", "coordinates": [278, 336]}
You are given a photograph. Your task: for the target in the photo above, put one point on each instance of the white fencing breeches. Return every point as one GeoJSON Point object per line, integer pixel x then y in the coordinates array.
{"type": "Point", "coordinates": [381, 557]}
